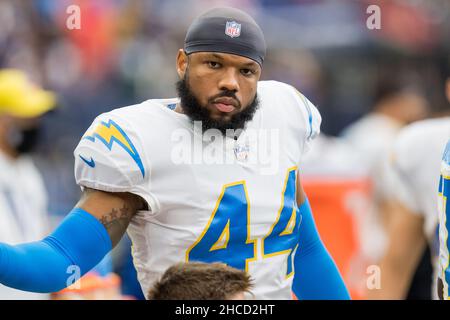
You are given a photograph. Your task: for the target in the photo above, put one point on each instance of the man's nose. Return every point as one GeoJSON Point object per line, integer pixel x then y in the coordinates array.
{"type": "Point", "coordinates": [229, 80]}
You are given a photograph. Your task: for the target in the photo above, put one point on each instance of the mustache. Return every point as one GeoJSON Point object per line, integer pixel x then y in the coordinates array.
{"type": "Point", "coordinates": [225, 94]}
{"type": "Point", "coordinates": [198, 112]}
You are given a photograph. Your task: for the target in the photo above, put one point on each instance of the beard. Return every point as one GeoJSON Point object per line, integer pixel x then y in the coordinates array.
{"type": "Point", "coordinates": [197, 112]}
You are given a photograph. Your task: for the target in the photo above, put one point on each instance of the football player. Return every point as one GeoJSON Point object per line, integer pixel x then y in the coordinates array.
{"type": "Point", "coordinates": [444, 214]}
{"type": "Point", "coordinates": [186, 192]}
{"type": "Point", "coordinates": [412, 211]}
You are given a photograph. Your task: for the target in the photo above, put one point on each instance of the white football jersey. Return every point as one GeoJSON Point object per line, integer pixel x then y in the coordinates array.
{"type": "Point", "coordinates": [413, 172]}
{"type": "Point", "coordinates": [211, 198]}
{"type": "Point", "coordinates": [372, 137]}
{"type": "Point", "coordinates": [414, 164]}
{"type": "Point", "coordinates": [23, 211]}
{"type": "Point", "coordinates": [444, 219]}
{"type": "Point", "coordinates": [361, 135]}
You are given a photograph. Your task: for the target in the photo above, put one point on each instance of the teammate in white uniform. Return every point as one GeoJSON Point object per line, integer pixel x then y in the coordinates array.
{"type": "Point", "coordinates": [444, 218]}
{"type": "Point", "coordinates": [412, 170]}
{"type": "Point", "coordinates": [413, 214]}
{"type": "Point", "coordinates": [398, 102]}
{"type": "Point", "coordinates": [23, 198]}
{"type": "Point", "coordinates": [185, 195]}
{"type": "Point", "coordinates": [444, 211]}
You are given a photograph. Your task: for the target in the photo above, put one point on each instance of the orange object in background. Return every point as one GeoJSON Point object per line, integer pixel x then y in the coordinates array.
{"type": "Point", "coordinates": [92, 287]}
{"type": "Point", "coordinates": [339, 205]}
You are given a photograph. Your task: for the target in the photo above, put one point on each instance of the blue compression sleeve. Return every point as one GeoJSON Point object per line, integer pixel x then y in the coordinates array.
{"type": "Point", "coordinates": [316, 275]}
{"type": "Point", "coordinates": [43, 266]}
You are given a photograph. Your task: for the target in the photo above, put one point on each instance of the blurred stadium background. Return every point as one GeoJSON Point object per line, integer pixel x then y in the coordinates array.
{"type": "Point", "coordinates": [125, 53]}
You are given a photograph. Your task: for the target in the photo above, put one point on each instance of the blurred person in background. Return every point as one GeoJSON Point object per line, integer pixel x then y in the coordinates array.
{"type": "Point", "coordinates": [23, 197]}
{"type": "Point", "coordinates": [398, 101]}
{"type": "Point", "coordinates": [412, 167]}
{"type": "Point", "coordinates": [202, 281]}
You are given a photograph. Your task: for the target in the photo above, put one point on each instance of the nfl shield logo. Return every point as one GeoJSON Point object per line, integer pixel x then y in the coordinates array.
{"type": "Point", "coordinates": [241, 152]}
{"type": "Point", "coordinates": [233, 29]}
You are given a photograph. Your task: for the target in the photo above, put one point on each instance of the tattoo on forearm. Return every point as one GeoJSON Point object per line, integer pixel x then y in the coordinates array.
{"type": "Point", "coordinates": [116, 222]}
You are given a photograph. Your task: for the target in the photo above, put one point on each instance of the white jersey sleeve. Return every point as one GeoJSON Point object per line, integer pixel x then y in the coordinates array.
{"type": "Point", "coordinates": [401, 169]}
{"type": "Point", "coordinates": [110, 158]}
{"type": "Point", "coordinates": [310, 117]}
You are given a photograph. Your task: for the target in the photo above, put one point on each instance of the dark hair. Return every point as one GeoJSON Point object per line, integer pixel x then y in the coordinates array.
{"type": "Point", "coordinates": [443, 68]}
{"type": "Point", "coordinates": [200, 281]}
{"type": "Point", "coordinates": [391, 82]}
{"type": "Point", "coordinates": [444, 60]}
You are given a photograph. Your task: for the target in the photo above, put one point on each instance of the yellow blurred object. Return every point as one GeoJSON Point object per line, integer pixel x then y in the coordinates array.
{"type": "Point", "coordinates": [21, 98]}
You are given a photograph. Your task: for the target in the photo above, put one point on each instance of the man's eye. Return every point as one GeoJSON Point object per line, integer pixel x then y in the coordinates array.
{"type": "Point", "coordinates": [213, 64]}
{"type": "Point", "coordinates": [247, 72]}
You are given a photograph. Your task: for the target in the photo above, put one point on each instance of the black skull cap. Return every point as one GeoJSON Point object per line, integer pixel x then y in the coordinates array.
{"type": "Point", "coordinates": [226, 30]}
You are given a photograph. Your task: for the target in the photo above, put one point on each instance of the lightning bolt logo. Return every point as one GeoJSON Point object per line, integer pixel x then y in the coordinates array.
{"type": "Point", "coordinates": [109, 133]}
{"type": "Point", "coordinates": [446, 157]}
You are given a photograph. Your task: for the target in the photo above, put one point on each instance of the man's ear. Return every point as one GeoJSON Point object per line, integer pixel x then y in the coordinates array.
{"type": "Point", "coordinates": [182, 62]}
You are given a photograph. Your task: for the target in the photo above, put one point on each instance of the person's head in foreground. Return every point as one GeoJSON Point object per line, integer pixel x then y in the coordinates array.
{"type": "Point", "coordinates": [22, 104]}
{"type": "Point", "coordinates": [219, 69]}
{"type": "Point", "coordinates": [201, 281]}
